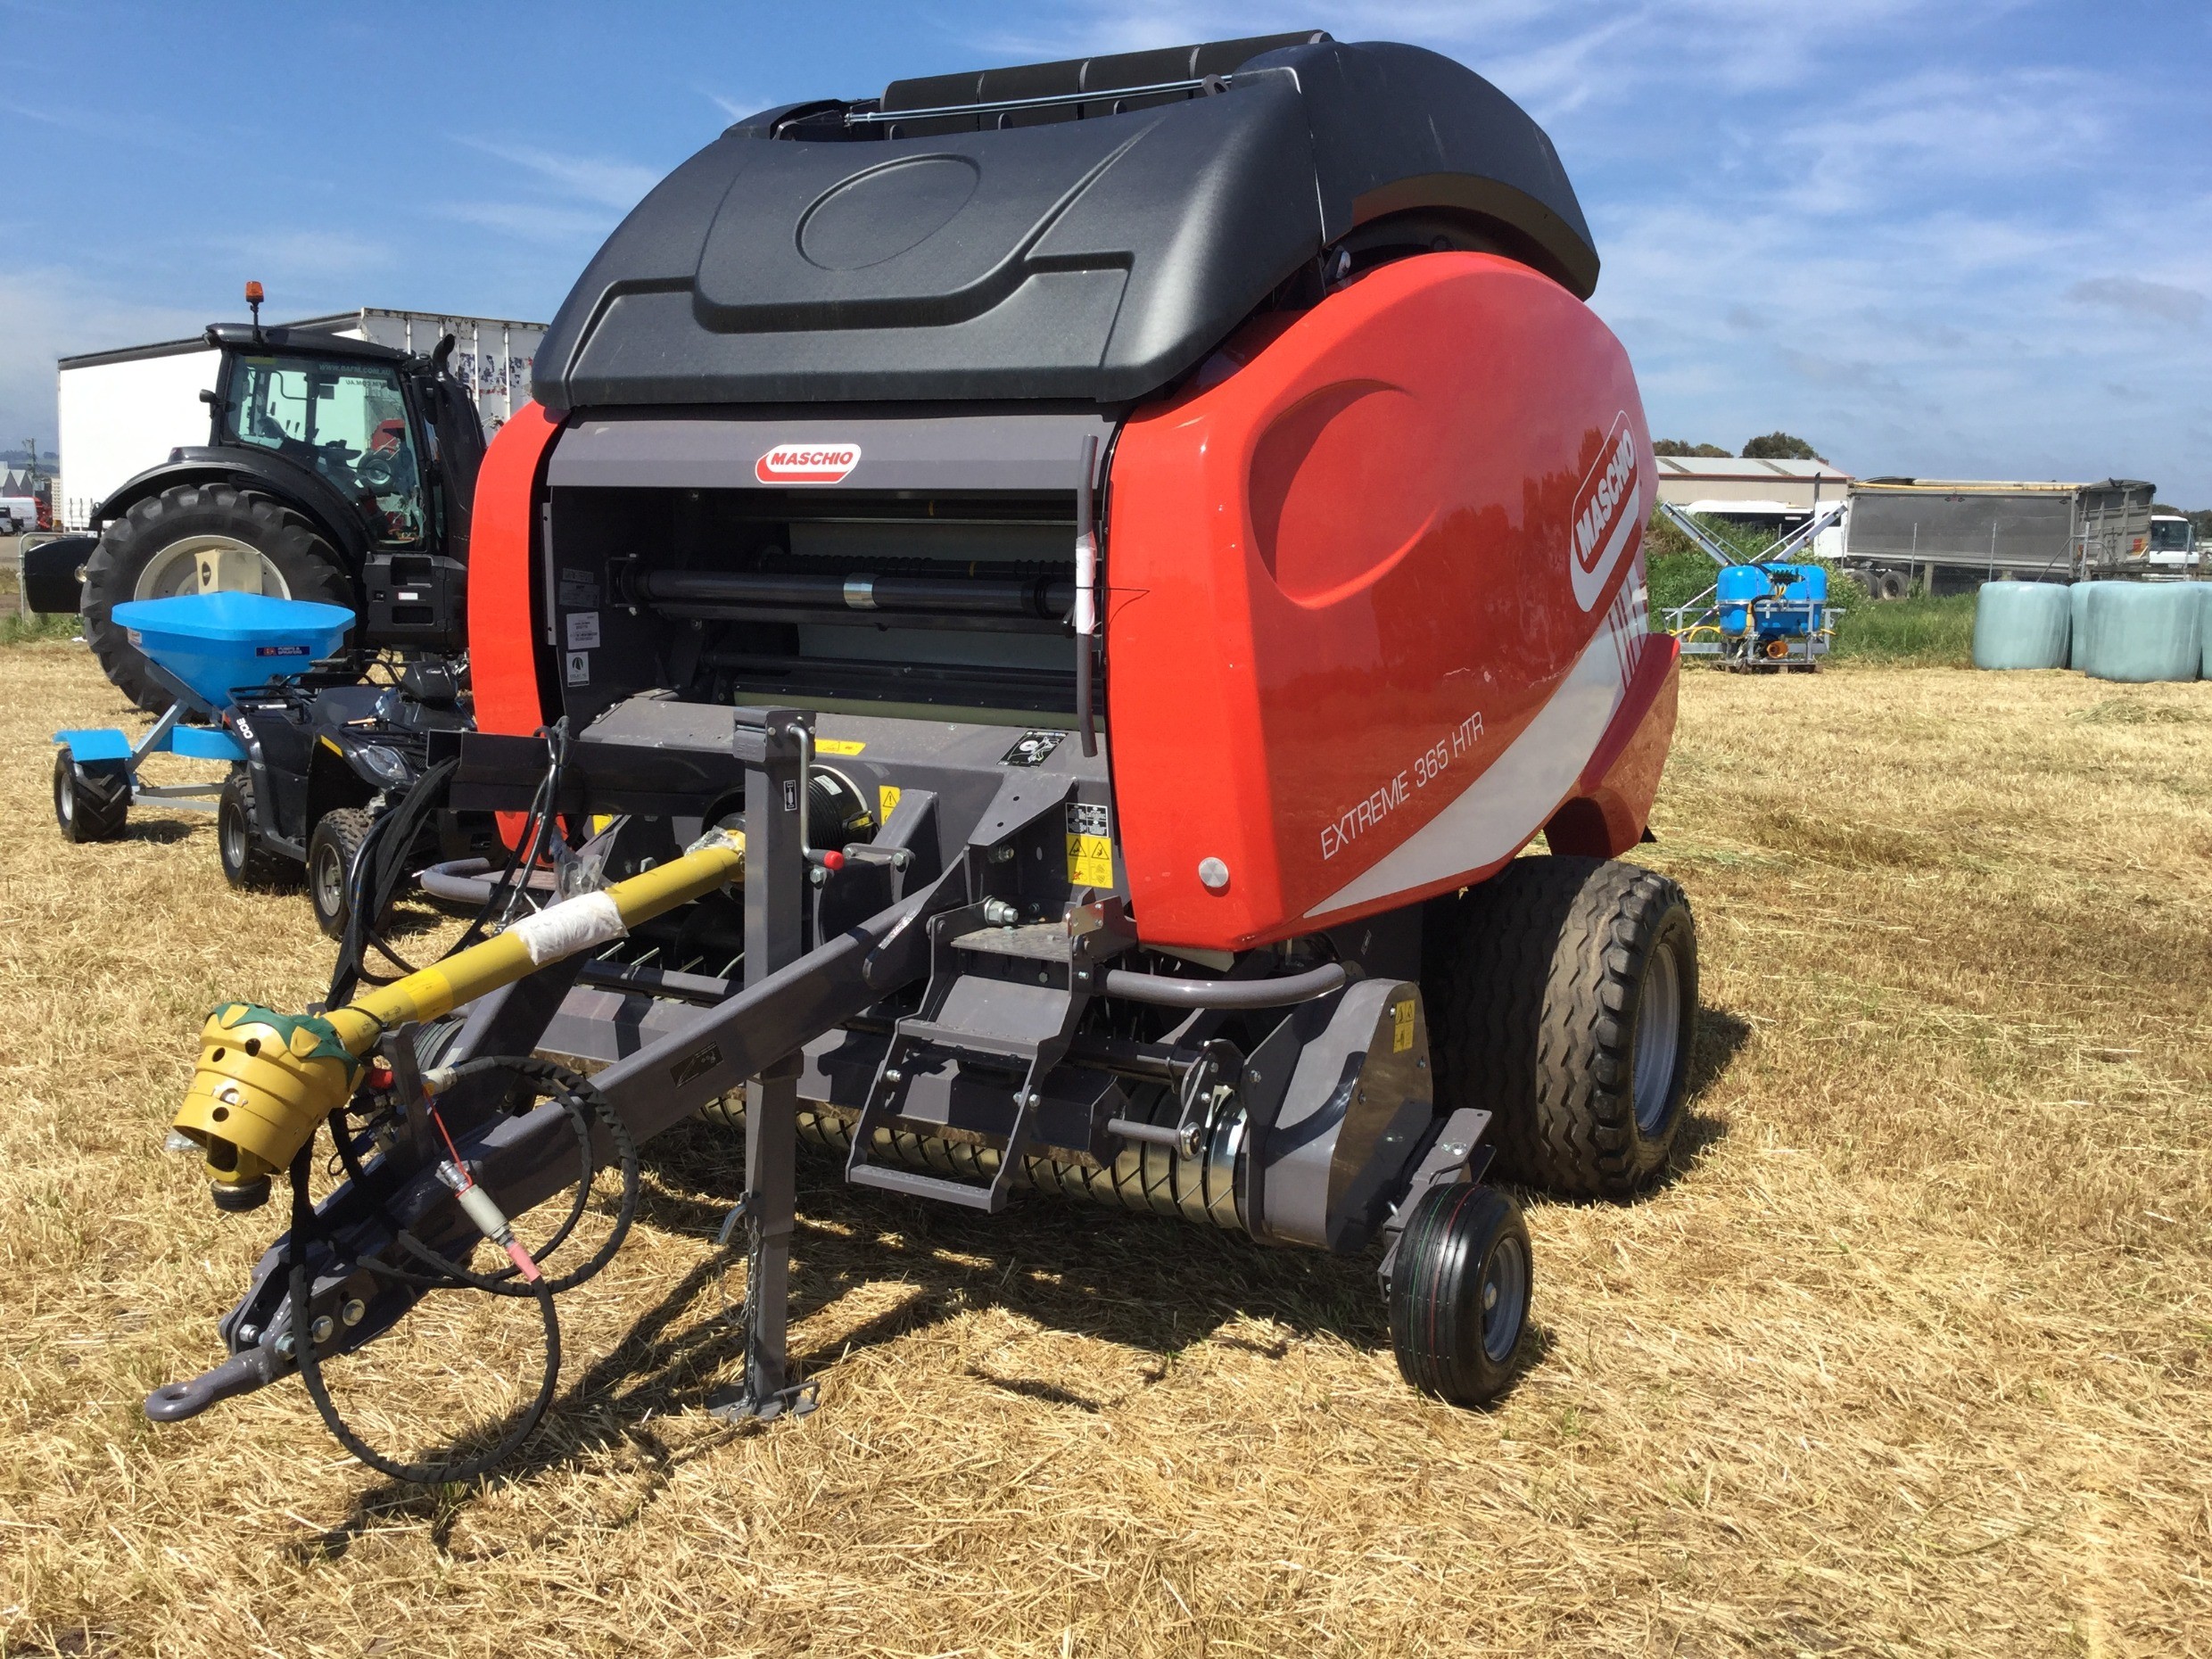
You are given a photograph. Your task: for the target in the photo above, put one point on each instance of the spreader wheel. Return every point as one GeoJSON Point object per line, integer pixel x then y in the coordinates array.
{"type": "Point", "coordinates": [246, 862]}
{"type": "Point", "coordinates": [1563, 994]}
{"type": "Point", "coordinates": [1459, 1294]}
{"type": "Point", "coordinates": [91, 798]}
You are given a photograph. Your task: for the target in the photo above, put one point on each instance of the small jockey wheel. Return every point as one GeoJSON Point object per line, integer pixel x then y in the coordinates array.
{"type": "Point", "coordinates": [1459, 1294]}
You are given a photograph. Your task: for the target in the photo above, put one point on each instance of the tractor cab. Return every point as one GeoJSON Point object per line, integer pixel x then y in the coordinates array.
{"type": "Point", "coordinates": [386, 440]}
{"type": "Point", "coordinates": [335, 470]}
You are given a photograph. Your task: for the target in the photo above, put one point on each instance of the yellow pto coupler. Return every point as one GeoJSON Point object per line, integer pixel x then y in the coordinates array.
{"type": "Point", "coordinates": [267, 1080]}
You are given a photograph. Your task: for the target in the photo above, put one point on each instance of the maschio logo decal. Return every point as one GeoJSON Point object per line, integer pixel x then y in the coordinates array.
{"type": "Point", "coordinates": [1606, 509]}
{"type": "Point", "coordinates": [808, 463]}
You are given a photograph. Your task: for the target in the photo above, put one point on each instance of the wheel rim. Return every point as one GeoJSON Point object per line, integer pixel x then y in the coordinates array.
{"type": "Point", "coordinates": [1505, 1298]}
{"type": "Point", "coordinates": [329, 881]}
{"type": "Point", "coordinates": [209, 563]}
{"type": "Point", "coordinates": [1658, 1039]}
{"type": "Point", "coordinates": [233, 833]}
{"type": "Point", "coordinates": [64, 796]}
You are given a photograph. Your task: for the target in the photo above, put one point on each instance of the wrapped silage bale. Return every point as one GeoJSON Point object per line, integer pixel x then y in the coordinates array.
{"type": "Point", "coordinates": [2021, 624]}
{"type": "Point", "coordinates": [2078, 643]}
{"type": "Point", "coordinates": [2140, 631]}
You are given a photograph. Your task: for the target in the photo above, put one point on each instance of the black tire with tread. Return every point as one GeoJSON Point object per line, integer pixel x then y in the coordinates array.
{"type": "Point", "coordinates": [311, 567]}
{"type": "Point", "coordinates": [91, 798]}
{"type": "Point", "coordinates": [338, 835]}
{"type": "Point", "coordinates": [247, 865]}
{"type": "Point", "coordinates": [1533, 984]}
{"type": "Point", "coordinates": [1439, 1326]}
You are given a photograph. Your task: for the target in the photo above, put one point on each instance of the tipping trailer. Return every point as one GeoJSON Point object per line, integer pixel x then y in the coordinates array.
{"type": "Point", "coordinates": [1063, 591]}
{"type": "Point", "coordinates": [1951, 535]}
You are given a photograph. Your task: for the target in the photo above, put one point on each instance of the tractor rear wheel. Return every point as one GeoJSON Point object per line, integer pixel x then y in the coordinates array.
{"type": "Point", "coordinates": [246, 862]}
{"type": "Point", "coordinates": [199, 539]}
{"type": "Point", "coordinates": [1459, 1294]}
{"type": "Point", "coordinates": [332, 851]}
{"type": "Point", "coordinates": [1564, 993]}
{"type": "Point", "coordinates": [91, 798]}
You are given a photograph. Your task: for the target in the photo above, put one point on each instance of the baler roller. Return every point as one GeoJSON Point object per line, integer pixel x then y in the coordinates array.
{"type": "Point", "coordinates": [1148, 1178]}
{"type": "Point", "coordinates": [715, 594]}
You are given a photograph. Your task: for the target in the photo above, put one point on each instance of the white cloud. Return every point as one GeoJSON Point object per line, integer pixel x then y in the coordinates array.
{"type": "Point", "coordinates": [611, 183]}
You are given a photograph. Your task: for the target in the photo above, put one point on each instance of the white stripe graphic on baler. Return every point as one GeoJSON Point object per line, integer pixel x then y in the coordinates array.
{"type": "Point", "coordinates": [1513, 797]}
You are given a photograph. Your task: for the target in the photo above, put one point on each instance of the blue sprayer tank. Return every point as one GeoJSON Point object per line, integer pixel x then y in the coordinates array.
{"type": "Point", "coordinates": [1801, 591]}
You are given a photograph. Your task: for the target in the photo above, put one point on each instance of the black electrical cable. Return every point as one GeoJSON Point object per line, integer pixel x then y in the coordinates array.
{"type": "Point", "coordinates": [374, 882]}
{"type": "Point", "coordinates": [582, 1100]}
{"type": "Point", "coordinates": [438, 1472]}
{"type": "Point", "coordinates": [545, 813]}
{"type": "Point", "coordinates": [378, 869]}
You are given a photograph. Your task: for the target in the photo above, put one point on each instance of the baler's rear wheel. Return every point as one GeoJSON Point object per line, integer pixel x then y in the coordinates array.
{"type": "Point", "coordinates": [1459, 1294]}
{"type": "Point", "coordinates": [1564, 996]}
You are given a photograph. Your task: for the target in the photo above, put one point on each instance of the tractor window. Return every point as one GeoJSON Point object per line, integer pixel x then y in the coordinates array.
{"type": "Point", "coordinates": [347, 421]}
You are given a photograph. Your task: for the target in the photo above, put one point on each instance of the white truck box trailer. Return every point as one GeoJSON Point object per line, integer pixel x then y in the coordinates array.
{"type": "Point", "coordinates": [123, 411]}
{"type": "Point", "coordinates": [492, 355]}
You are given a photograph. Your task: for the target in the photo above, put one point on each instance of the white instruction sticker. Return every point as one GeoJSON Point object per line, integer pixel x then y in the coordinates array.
{"type": "Point", "coordinates": [571, 926]}
{"type": "Point", "coordinates": [580, 668]}
{"type": "Point", "coordinates": [584, 631]}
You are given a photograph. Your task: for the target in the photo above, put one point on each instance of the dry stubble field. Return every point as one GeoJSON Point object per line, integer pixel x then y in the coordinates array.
{"type": "Point", "coordinates": [1913, 1355]}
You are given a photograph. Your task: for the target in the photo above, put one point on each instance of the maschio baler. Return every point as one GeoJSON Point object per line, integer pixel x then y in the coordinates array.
{"type": "Point", "coordinates": [1033, 616]}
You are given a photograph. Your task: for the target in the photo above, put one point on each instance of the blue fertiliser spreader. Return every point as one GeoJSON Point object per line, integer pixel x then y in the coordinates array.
{"type": "Point", "coordinates": [202, 647]}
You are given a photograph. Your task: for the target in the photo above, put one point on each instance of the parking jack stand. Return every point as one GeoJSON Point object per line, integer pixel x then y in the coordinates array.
{"type": "Point", "coordinates": [775, 881]}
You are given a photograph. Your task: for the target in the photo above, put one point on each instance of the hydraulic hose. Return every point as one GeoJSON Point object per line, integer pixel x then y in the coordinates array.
{"type": "Point", "coordinates": [1276, 993]}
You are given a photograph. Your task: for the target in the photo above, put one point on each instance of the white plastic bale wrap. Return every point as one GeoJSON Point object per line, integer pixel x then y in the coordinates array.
{"type": "Point", "coordinates": [2021, 624]}
{"type": "Point", "coordinates": [2078, 644]}
{"type": "Point", "coordinates": [2143, 632]}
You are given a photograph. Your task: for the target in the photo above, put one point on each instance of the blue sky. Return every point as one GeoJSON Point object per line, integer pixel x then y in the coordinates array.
{"type": "Point", "coordinates": [1965, 238]}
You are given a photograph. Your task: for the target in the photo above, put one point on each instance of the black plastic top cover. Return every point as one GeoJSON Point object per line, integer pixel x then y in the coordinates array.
{"type": "Point", "coordinates": [1085, 230]}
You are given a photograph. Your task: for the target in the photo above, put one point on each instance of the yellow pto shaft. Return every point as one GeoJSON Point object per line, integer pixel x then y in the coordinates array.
{"type": "Point", "coordinates": [266, 1080]}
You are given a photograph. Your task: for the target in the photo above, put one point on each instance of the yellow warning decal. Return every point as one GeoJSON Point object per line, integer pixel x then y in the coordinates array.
{"type": "Point", "coordinates": [886, 800]}
{"type": "Point", "coordinates": [1401, 1031]}
{"type": "Point", "coordinates": [1091, 860]}
{"type": "Point", "coordinates": [838, 746]}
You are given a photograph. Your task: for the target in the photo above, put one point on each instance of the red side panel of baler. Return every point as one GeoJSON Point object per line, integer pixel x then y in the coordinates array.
{"type": "Point", "coordinates": [1376, 598]}
{"type": "Point", "coordinates": [503, 645]}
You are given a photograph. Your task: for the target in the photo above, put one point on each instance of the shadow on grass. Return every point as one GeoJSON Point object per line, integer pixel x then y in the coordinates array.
{"type": "Point", "coordinates": [1721, 1035]}
{"type": "Point", "coordinates": [165, 832]}
{"type": "Point", "coordinates": [1152, 1283]}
